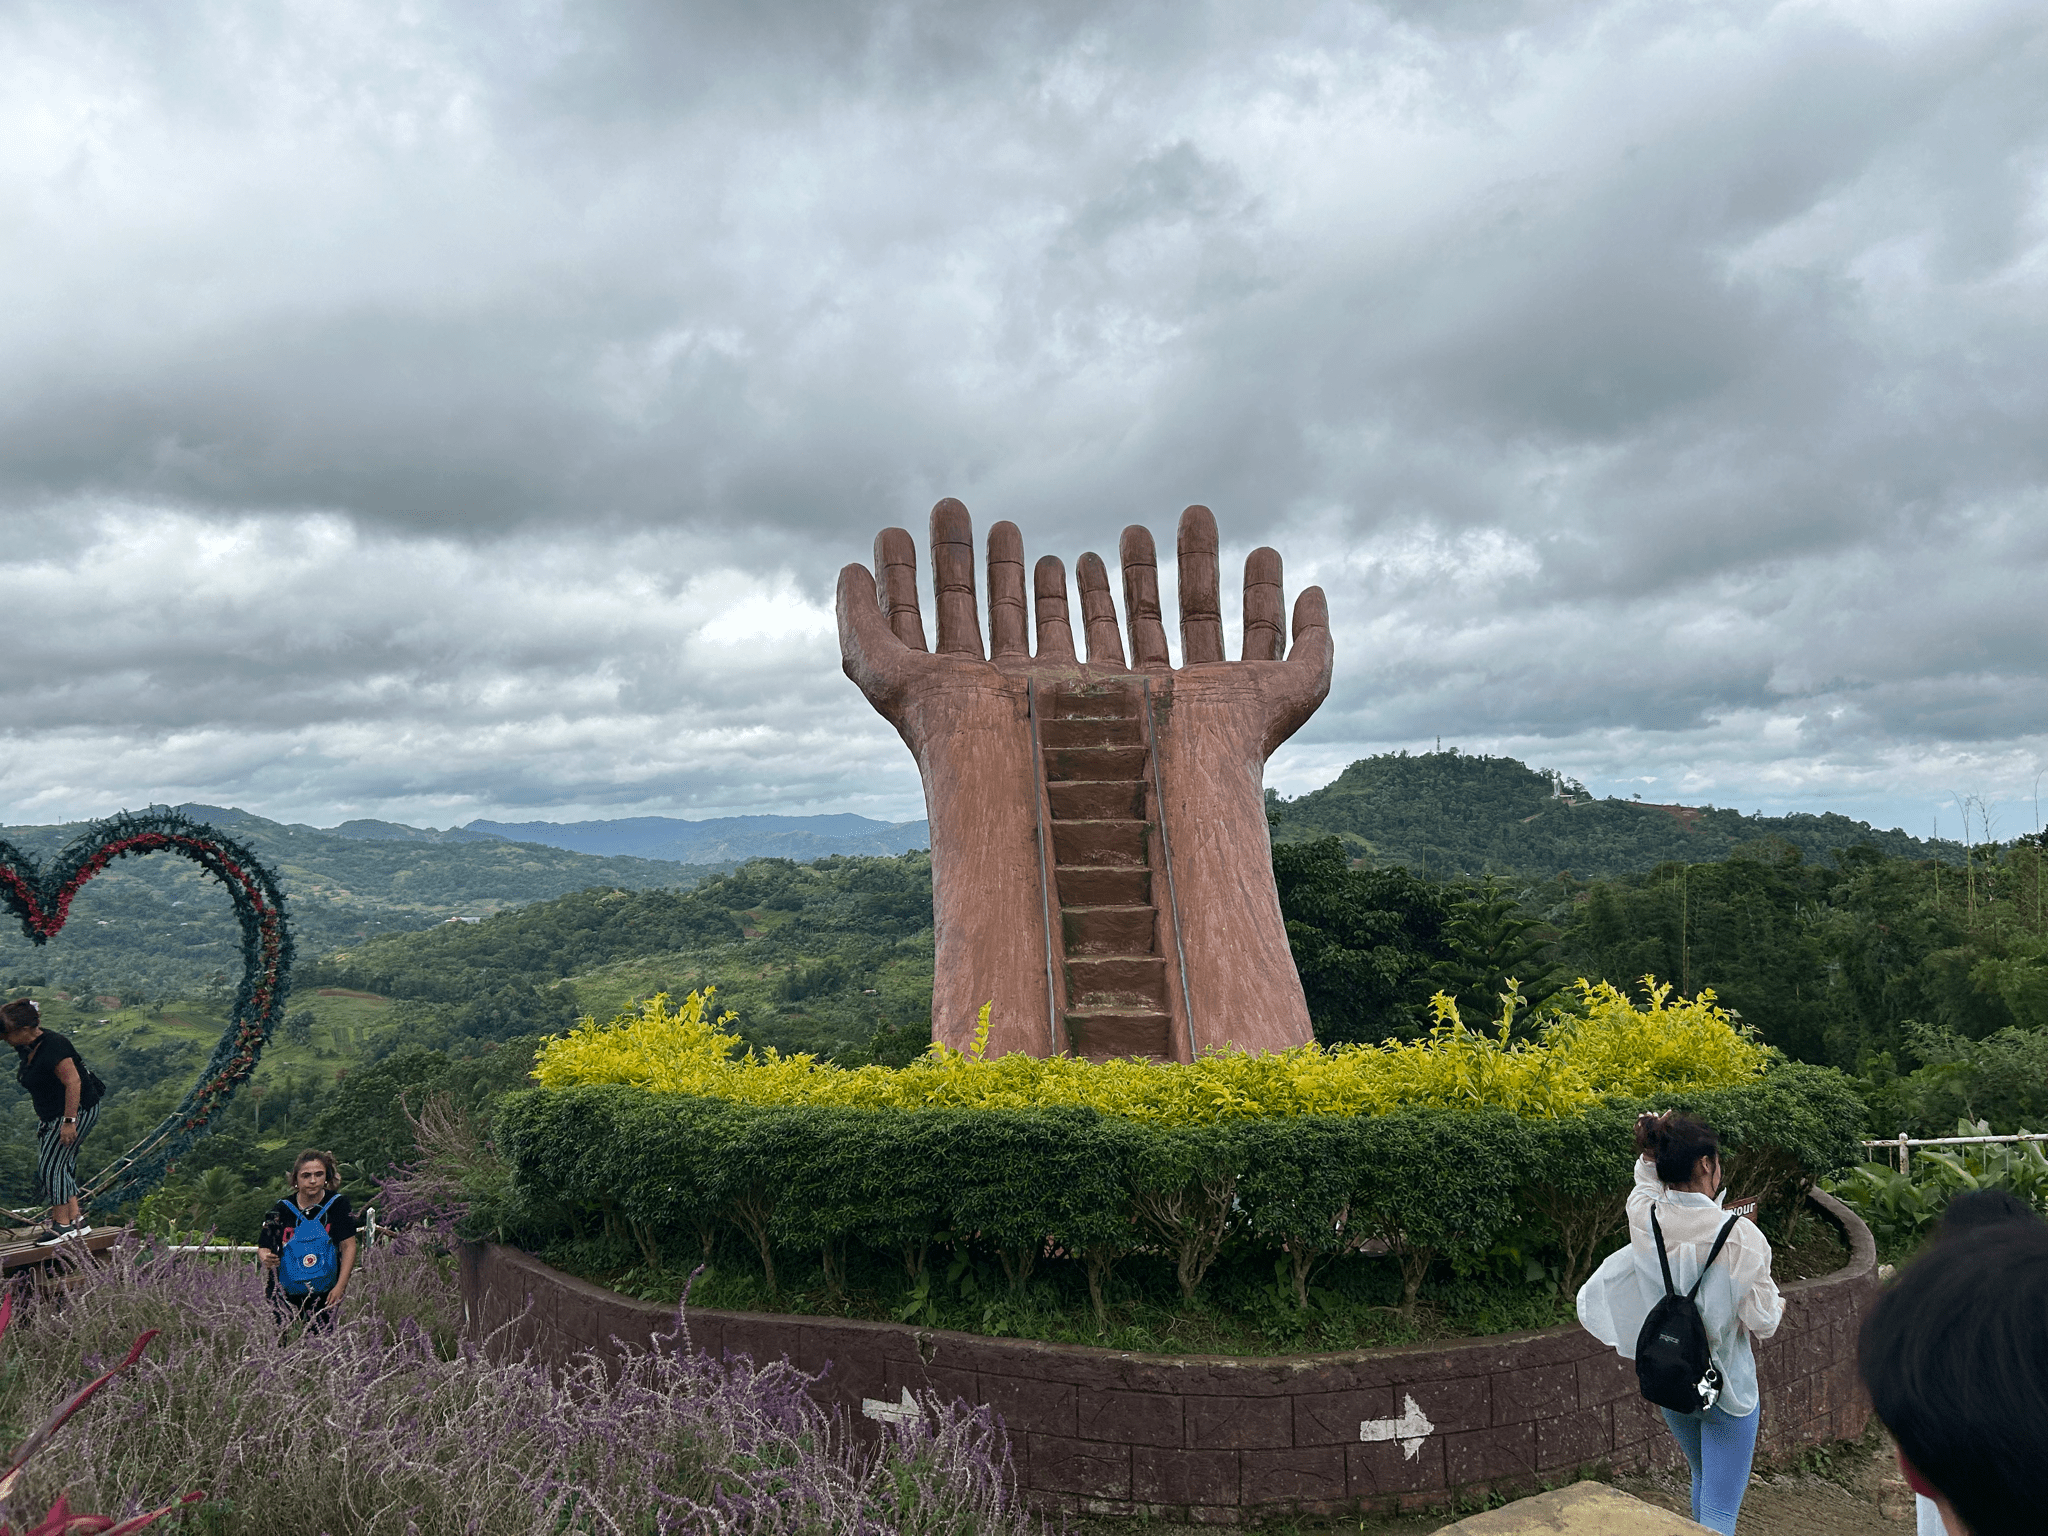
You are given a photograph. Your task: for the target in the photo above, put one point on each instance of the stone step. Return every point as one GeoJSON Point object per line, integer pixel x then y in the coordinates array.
{"type": "Point", "coordinates": [1092, 701]}
{"type": "Point", "coordinates": [1100, 844]}
{"type": "Point", "coordinates": [1104, 1034]}
{"type": "Point", "coordinates": [1090, 886]}
{"type": "Point", "coordinates": [1109, 930]}
{"type": "Point", "coordinates": [1069, 764]}
{"type": "Point", "coordinates": [1117, 982]}
{"type": "Point", "coordinates": [1072, 731]}
{"type": "Point", "coordinates": [1098, 800]}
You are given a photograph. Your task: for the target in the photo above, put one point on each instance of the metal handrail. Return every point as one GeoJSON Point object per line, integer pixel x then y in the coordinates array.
{"type": "Point", "coordinates": [1055, 971]}
{"type": "Point", "coordinates": [369, 1238]}
{"type": "Point", "coordinates": [1180, 953]}
{"type": "Point", "coordinates": [1903, 1144]}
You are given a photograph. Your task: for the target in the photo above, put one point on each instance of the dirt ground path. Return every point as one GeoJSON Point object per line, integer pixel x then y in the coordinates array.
{"type": "Point", "coordinates": [1861, 1491]}
{"type": "Point", "coordinates": [1853, 1490]}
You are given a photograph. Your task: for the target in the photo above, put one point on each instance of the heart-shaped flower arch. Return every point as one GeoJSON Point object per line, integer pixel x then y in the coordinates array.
{"type": "Point", "coordinates": [41, 899]}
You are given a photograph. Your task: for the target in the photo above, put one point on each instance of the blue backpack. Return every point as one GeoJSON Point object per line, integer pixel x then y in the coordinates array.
{"type": "Point", "coordinates": [309, 1262]}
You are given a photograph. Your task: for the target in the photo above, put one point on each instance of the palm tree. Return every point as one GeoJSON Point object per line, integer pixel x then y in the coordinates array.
{"type": "Point", "coordinates": [216, 1187]}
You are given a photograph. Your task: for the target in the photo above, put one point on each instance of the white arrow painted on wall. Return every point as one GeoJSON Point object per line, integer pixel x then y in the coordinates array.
{"type": "Point", "coordinates": [905, 1412]}
{"type": "Point", "coordinates": [1411, 1429]}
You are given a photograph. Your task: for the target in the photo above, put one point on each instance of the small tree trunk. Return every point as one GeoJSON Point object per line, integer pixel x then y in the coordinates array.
{"type": "Point", "coordinates": [752, 1211]}
{"type": "Point", "coordinates": [914, 1257]}
{"type": "Point", "coordinates": [1017, 1264]}
{"type": "Point", "coordinates": [1303, 1258]}
{"type": "Point", "coordinates": [1414, 1265]}
{"type": "Point", "coordinates": [644, 1236]}
{"type": "Point", "coordinates": [1099, 1261]}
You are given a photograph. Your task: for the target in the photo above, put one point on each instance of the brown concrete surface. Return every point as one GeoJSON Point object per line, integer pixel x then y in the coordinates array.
{"type": "Point", "coordinates": [1861, 1494]}
{"type": "Point", "coordinates": [1584, 1509]}
{"type": "Point", "coordinates": [1077, 805]}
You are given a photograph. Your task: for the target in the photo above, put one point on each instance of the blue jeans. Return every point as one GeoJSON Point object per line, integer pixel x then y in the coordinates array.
{"type": "Point", "coordinates": [1718, 1447]}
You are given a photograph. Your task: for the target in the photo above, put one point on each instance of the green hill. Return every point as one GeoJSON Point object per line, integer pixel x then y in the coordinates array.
{"type": "Point", "coordinates": [815, 957]}
{"type": "Point", "coordinates": [155, 927]}
{"type": "Point", "coordinates": [1447, 815]}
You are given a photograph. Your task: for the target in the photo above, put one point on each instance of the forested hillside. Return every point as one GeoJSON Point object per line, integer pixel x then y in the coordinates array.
{"type": "Point", "coordinates": [1927, 979]}
{"type": "Point", "coordinates": [154, 927]}
{"type": "Point", "coordinates": [1930, 981]}
{"type": "Point", "coordinates": [814, 957]}
{"type": "Point", "coordinates": [1446, 814]}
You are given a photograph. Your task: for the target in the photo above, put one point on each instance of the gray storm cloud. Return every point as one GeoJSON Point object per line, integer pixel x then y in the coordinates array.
{"type": "Point", "coordinates": [444, 415]}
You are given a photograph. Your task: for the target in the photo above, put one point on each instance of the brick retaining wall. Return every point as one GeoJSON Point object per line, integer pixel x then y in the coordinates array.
{"type": "Point", "coordinates": [1221, 1439]}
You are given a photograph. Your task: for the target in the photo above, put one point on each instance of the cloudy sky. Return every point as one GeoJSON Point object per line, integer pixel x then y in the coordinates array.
{"type": "Point", "coordinates": [447, 411]}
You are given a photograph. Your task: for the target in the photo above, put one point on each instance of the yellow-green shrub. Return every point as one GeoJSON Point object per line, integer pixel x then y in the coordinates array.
{"type": "Point", "coordinates": [1607, 1047]}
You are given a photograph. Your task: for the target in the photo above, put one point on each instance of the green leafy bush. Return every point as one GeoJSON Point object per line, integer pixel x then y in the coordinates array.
{"type": "Point", "coordinates": [1023, 1189]}
{"type": "Point", "coordinates": [2001, 1079]}
{"type": "Point", "coordinates": [1902, 1209]}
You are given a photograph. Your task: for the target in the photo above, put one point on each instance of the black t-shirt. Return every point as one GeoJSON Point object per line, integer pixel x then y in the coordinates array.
{"type": "Point", "coordinates": [38, 1074]}
{"type": "Point", "coordinates": [284, 1218]}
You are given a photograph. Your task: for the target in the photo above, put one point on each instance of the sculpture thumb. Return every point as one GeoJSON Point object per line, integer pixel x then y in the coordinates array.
{"type": "Point", "coordinates": [869, 651]}
{"type": "Point", "coordinates": [1312, 648]}
{"type": "Point", "coordinates": [1304, 678]}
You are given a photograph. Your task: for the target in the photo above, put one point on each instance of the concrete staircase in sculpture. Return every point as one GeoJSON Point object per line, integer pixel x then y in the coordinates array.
{"type": "Point", "coordinates": [1115, 921]}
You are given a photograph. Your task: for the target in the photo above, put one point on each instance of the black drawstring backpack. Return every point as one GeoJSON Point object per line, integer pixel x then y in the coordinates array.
{"type": "Point", "coordinates": [1673, 1365]}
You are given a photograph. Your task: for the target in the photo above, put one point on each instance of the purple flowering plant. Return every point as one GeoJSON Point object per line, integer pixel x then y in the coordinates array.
{"type": "Point", "coordinates": [394, 1422]}
{"type": "Point", "coordinates": [59, 1520]}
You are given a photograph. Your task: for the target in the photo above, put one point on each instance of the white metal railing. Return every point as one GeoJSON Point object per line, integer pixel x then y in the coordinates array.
{"type": "Point", "coordinates": [369, 1236]}
{"type": "Point", "coordinates": [1903, 1145]}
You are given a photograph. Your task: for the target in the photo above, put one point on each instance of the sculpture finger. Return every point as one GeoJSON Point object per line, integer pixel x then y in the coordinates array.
{"type": "Point", "coordinates": [870, 650]}
{"type": "Point", "coordinates": [1311, 630]}
{"type": "Point", "coordinates": [953, 580]}
{"type": "Point", "coordinates": [896, 571]}
{"type": "Point", "coordinates": [1140, 561]}
{"type": "Point", "coordinates": [1098, 612]}
{"type": "Point", "coordinates": [1201, 604]}
{"type": "Point", "coordinates": [1264, 639]}
{"type": "Point", "coordinates": [1008, 629]}
{"type": "Point", "coordinates": [1049, 594]}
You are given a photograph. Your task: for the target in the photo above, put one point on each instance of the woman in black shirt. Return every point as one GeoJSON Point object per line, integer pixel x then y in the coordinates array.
{"type": "Point", "coordinates": [306, 1275]}
{"type": "Point", "coordinates": [66, 1107]}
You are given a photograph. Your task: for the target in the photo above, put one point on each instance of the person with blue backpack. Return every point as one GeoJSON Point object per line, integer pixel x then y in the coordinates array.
{"type": "Point", "coordinates": [307, 1245]}
{"type": "Point", "coordinates": [1683, 1300]}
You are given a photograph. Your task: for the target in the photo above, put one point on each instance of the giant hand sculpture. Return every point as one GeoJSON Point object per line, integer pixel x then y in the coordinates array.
{"type": "Point", "coordinates": [1100, 866]}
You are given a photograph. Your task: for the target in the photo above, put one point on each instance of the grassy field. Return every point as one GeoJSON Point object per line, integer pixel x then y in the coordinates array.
{"type": "Point", "coordinates": [752, 989]}
{"type": "Point", "coordinates": [149, 1057]}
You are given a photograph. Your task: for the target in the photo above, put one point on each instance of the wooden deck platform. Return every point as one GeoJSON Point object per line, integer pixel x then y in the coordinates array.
{"type": "Point", "coordinates": [18, 1248]}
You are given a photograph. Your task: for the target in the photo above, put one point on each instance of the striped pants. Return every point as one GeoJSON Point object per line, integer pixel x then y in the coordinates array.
{"type": "Point", "coordinates": [57, 1164]}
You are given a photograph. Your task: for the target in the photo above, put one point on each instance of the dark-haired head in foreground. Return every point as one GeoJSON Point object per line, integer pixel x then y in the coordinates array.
{"type": "Point", "coordinates": [1955, 1355]}
{"type": "Point", "coordinates": [1975, 1209]}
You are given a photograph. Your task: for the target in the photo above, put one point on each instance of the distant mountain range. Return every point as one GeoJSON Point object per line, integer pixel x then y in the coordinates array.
{"type": "Point", "coordinates": [720, 840]}
{"type": "Point", "coordinates": [153, 926]}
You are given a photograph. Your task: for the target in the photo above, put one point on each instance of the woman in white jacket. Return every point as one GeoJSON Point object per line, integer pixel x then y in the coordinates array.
{"type": "Point", "coordinates": [1678, 1175]}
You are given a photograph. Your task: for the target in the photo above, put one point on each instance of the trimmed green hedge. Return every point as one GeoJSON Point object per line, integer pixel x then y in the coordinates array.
{"type": "Point", "coordinates": [1071, 1185]}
